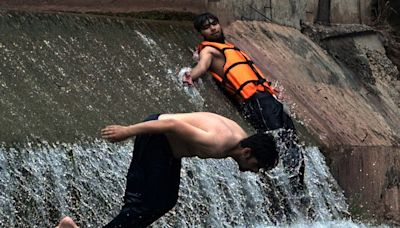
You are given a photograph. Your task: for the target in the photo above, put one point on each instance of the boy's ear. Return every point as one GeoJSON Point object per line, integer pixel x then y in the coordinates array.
{"type": "Point", "coordinates": [247, 152]}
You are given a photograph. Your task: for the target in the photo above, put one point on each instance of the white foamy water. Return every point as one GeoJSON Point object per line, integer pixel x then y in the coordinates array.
{"type": "Point", "coordinates": [40, 182]}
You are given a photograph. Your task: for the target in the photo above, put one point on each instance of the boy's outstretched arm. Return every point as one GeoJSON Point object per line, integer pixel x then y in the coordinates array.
{"type": "Point", "coordinates": [201, 67]}
{"type": "Point", "coordinates": [116, 133]}
{"type": "Point", "coordinates": [178, 128]}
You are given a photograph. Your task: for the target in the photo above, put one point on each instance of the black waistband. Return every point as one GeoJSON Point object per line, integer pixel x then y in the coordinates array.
{"type": "Point", "coordinates": [152, 117]}
{"type": "Point", "coordinates": [259, 94]}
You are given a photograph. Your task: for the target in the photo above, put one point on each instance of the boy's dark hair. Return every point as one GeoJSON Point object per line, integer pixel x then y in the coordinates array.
{"type": "Point", "coordinates": [263, 148]}
{"type": "Point", "coordinates": [199, 20]}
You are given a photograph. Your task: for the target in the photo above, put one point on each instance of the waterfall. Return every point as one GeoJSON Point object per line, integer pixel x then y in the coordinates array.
{"type": "Point", "coordinates": [64, 76]}
{"type": "Point", "coordinates": [42, 181]}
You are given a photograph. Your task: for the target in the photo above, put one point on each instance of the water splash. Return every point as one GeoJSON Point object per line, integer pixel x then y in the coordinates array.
{"type": "Point", "coordinates": [43, 181]}
{"type": "Point", "coordinates": [86, 180]}
{"type": "Point", "coordinates": [191, 90]}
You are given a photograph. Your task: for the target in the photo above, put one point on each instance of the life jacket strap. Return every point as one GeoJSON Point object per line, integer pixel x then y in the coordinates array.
{"type": "Point", "coordinates": [226, 48]}
{"type": "Point", "coordinates": [249, 62]}
{"type": "Point", "coordinates": [260, 81]}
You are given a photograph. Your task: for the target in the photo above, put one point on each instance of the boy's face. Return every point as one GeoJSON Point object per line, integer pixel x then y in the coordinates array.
{"type": "Point", "coordinates": [211, 30]}
{"type": "Point", "coordinates": [251, 165]}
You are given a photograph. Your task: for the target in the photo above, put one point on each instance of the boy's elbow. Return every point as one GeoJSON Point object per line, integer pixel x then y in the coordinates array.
{"type": "Point", "coordinates": [171, 124]}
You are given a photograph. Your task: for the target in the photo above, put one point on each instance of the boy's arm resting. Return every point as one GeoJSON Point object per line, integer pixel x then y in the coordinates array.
{"type": "Point", "coordinates": [119, 133]}
{"type": "Point", "coordinates": [182, 130]}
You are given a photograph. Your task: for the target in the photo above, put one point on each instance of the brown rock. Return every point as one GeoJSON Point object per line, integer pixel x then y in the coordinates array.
{"type": "Point", "coordinates": [348, 100]}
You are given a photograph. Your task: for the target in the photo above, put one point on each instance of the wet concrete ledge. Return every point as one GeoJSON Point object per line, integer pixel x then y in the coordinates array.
{"type": "Point", "coordinates": [105, 6]}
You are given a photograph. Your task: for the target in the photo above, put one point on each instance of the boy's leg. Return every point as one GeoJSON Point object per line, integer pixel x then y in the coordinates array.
{"type": "Point", "coordinates": [152, 182]}
{"type": "Point", "coordinates": [133, 217]}
{"type": "Point", "coordinates": [266, 113]}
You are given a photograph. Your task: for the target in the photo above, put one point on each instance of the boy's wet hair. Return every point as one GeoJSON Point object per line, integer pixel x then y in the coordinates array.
{"type": "Point", "coordinates": [199, 21]}
{"type": "Point", "coordinates": [263, 148]}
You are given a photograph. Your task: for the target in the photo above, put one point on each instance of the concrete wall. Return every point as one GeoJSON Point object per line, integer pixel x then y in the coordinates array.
{"type": "Point", "coordinates": [285, 12]}
{"type": "Point", "coordinates": [293, 13]}
{"type": "Point", "coordinates": [351, 11]}
{"type": "Point", "coordinates": [369, 177]}
{"type": "Point", "coordinates": [311, 10]}
{"type": "Point", "coordinates": [194, 6]}
{"type": "Point", "coordinates": [352, 107]}
{"type": "Point", "coordinates": [345, 13]}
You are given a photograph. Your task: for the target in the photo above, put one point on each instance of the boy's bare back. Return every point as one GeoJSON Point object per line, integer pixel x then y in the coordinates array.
{"type": "Point", "coordinates": [221, 134]}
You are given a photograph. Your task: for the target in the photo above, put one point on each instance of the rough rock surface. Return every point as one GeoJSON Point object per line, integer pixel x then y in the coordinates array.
{"type": "Point", "coordinates": [347, 95]}
{"type": "Point", "coordinates": [326, 94]}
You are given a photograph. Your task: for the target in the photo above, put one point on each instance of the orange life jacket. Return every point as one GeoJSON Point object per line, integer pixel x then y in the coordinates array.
{"type": "Point", "coordinates": [241, 76]}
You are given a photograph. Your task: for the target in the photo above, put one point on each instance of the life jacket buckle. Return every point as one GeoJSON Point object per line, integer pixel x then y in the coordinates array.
{"type": "Point", "coordinates": [261, 81]}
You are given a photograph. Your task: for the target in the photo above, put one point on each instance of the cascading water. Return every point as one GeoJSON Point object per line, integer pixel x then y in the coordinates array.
{"type": "Point", "coordinates": [42, 181]}
{"type": "Point", "coordinates": [62, 77]}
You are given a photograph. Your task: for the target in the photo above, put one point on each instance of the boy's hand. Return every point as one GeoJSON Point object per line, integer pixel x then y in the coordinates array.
{"type": "Point", "coordinates": [115, 133]}
{"type": "Point", "coordinates": [187, 78]}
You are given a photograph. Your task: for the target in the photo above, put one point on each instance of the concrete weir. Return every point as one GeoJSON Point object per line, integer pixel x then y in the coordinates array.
{"type": "Point", "coordinates": [345, 95]}
{"type": "Point", "coordinates": [63, 76]}
{"type": "Point", "coordinates": [370, 178]}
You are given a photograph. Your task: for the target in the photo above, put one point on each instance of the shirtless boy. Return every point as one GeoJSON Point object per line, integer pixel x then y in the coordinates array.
{"type": "Point", "coordinates": [161, 141]}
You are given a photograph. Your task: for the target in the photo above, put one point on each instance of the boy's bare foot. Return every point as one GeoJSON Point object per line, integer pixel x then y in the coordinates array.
{"type": "Point", "coordinates": [67, 222]}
